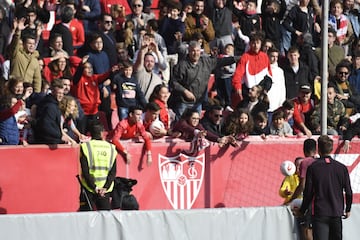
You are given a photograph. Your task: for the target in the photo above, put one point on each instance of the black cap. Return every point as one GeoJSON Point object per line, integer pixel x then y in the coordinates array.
{"type": "Point", "coordinates": [305, 88]}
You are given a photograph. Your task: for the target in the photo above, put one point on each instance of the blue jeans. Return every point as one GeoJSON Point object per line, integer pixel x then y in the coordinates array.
{"type": "Point", "coordinates": [181, 107]}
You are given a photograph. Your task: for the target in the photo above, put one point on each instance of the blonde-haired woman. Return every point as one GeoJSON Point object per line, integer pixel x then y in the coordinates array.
{"type": "Point", "coordinates": [69, 111]}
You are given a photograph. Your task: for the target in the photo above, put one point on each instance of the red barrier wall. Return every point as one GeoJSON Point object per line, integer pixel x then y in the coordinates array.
{"type": "Point", "coordinates": [40, 179]}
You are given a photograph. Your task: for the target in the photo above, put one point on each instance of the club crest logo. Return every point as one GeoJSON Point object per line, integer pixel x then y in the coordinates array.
{"type": "Point", "coordinates": [181, 177]}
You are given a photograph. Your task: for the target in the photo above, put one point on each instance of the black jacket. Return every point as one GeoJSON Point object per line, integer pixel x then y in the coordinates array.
{"type": "Point", "coordinates": [48, 117]}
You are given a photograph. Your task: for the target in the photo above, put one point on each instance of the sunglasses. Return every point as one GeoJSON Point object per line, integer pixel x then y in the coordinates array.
{"type": "Point", "coordinates": [108, 22]}
{"type": "Point", "coordinates": [137, 5]}
{"type": "Point", "coordinates": [218, 115]}
{"type": "Point", "coordinates": [343, 73]}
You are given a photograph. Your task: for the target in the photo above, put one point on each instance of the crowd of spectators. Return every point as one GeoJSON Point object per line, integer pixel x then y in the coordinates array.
{"type": "Point", "coordinates": [61, 62]}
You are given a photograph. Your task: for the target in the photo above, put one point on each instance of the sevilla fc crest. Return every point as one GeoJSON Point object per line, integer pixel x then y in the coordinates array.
{"type": "Point", "coordinates": [181, 178]}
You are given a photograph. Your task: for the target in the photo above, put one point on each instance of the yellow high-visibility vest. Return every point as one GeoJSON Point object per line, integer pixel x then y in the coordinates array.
{"type": "Point", "coordinates": [101, 156]}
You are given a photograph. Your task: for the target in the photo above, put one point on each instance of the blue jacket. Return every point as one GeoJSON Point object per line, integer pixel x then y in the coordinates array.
{"type": "Point", "coordinates": [9, 132]}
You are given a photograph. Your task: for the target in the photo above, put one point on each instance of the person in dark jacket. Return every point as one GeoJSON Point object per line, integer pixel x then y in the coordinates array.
{"type": "Point", "coordinates": [294, 79]}
{"type": "Point", "coordinates": [326, 182]}
{"type": "Point", "coordinates": [213, 120]}
{"type": "Point", "coordinates": [47, 129]}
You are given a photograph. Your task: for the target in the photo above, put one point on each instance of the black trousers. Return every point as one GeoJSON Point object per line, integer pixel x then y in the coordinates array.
{"type": "Point", "coordinates": [327, 228]}
{"type": "Point", "coordinates": [97, 202]}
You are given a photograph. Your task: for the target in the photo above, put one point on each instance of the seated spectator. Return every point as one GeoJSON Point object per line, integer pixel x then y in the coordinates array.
{"type": "Point", "coordinates": [337, 121]}
{"type": "Point", "coordinates": [345, 92]}
{"type": "Point", "coordinates": [160, 96]}
{"type": "Point", "coordinates": [47, 129]}
{"type": "Point", "coordinates": [69, 112]}
{"type": "Point", "coordinates": [303, 108]}
{"type": "Point", "coordinates": [279, 126]}
{"type": "Point", "coordinates": [127, 91]}
{"type": "Point", "coordinates": [239, 124]}
{"type": "Point", "coordinates": [150, 119]}
{"type": "Point", "coordinates": [261, 127]}
{"type": "Point", "coordinates": [128, 128]}
{"type": "Point", "coordinates": [189, 127]}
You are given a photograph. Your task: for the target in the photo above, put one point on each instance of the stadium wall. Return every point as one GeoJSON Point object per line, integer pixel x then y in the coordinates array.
{"type": "Point", "coordinates": [198, 224]}
{"type": "Point", "coordinates": [41, 179]}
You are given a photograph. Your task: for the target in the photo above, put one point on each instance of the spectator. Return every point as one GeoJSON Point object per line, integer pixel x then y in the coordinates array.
{"type": "Point", "coordinates": [98, 171]}
{"type": "Point", "coordinates": [301, 20]}
{"type": "Point", "coordinates": [198, 22]}
{"type": "Point", "coordinates": [23, 56]}
{"type": "Point", "coordinates": [76, 27]}
{"type": "Point", "coordinates": [4, 31]}
{"type": "Point", "coordinates": [9, 106]}
{"type": "Point", "coordinates": [189, 127]}
{"type": "Point", "coordinates": [328, 179]}
{"type": "Point", "coordinates": [256, 101]}
{"type": "Point", "coordinates": [279, 126]}
{"type": "Point", "coordinates": [220, 14]}
{"type": "Point", "coordinates": [296, 73]}
{"type": "Point", "coordinates": [63, 28]}
{"type": "Point", "coordinates": [107, 35]}
{"type": "Point", "coordinates": [303, 108]}
{"type": "Point", "coordinates": [99, 59]}
{"type": "Point", "coordinates": [86, 88]}
{"type": "Point", "coordinates": [337, 122]}
{"type": "Point", "coordinates": [47, 128]}
{"type": "Point", "coordinates": [253, 66]}
{"type": "Point", "coordinates": [308, 56]}
{"type": "Point", "coordinates": [354, 78]}
{"type": "Point", "coordinates": [132, 127]}
{"type": "Point", "coordinates": [277, 92]}
{"type": "Point", "coordinates": [138, 17]}
{"type": "Point", "coordinates": [55, 46]}
{"type": "Point", "coordinates": [89, 12]}
{"type": "Point", "coordinates": [172, 24]}
{"type": "Point", "coordinates": [335, 52]}
{"type": "Point", "coordinates": [150, 119]}
{"type": "Point", "coordinates": [144, 67]}
{"type": "Point", "coordinates": [160, 96]}
{"type": "Point", "coordinates": [345, 92]}
{"type": "Point", "coordinates": [239, 124]}
{"type": "Point", "coordinates": [122, 53]}
{"type": "Point", "coordinates": [213, 120]}
{"type": "Point", "coordinates": [70, 112]}
{"type": "Point", "coordinates": [60, 65]}
{"type": "Point", "coordinates": [127, 91]}
{"type": "Point", "coordinates": [249, 19]}
{"type": "Point", "coordinates": [191, 76]}
{"type": "Point", "coordinates": [341, 24]}
{"type": "Point", "coordinates": [272, 13]}
{"type": "Point", "coordinates": [223, 78]}
{"type": "Point", "coordinates": [261, 127]}
{"type": "Point", "coordinates": [288, 108]}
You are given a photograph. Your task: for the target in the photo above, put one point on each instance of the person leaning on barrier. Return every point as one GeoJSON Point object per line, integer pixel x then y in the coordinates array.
{"type": "Point", "coordinates": [98, 170]}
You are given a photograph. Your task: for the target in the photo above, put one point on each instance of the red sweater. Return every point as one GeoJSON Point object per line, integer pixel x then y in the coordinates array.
{"type": "Point", "coordinates": [124, 130]}
{"type": "Point", "coordinates": [87, 91]}
{"type": "Point", "coordinates": [299, 110]}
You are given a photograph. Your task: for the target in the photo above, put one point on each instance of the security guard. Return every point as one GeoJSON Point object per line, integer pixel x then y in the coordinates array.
{"type": "Point", "coordinates": [98, 171]}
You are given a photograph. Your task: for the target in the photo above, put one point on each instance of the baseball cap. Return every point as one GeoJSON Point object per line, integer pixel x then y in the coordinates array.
{"type": "Point", "coordinates": [305, 88]}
